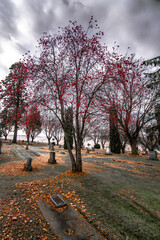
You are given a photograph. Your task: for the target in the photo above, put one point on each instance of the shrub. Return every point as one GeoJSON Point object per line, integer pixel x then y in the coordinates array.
{"type": "Point", "coordinates": [97, 146]}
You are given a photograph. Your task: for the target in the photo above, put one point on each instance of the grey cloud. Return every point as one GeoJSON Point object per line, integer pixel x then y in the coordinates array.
{"type": "Point", "coordinates": [129, 22]}
{"type": "Point", "coordinates": [55, 15]}
{"type": "Point", "coordinates": [4, 71]}
{"type": "Point", "coordinates": [7, 19]}
{"type": "Point", "coordinates": [1, 49]}
{"type": "Point", "coordinates": [42, 20]}
{"type": "Point", "coordinates": [66, 2]}
{"type": "Point", "coordinates": [144, 24]}
{"type": "Point", "coordinates": [79, 4]}
{"type": "Point", "coordinates": [21, 48]}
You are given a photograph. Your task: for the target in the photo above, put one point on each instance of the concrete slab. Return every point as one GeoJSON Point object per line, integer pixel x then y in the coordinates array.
{"type": "Point", "coordinates": [68, 223]}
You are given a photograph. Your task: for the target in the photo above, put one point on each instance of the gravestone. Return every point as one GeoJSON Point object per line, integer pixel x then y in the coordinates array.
{"type": "Point", "coordinates": [108, 152]}
{"type": "Point", "coordinates": [51, 146]}
{"type": "Point", "coordinates": [87, 150]}
{"type": "Point", "coordinates": [26, 145]}
{"type": "Point", "coordinates": [58, 201]}
{"type": "Point", "coordinates": [52, 159]}
{"type": "Point", "coordinates": [28, 166]}
{"type": "Point", "coordinates": [152, 155]}
{"type": "Point", "coordinates": [62, 152]}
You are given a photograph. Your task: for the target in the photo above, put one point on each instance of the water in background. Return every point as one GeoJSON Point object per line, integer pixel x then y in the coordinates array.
{"type": "Point", "coordinates": [22, 136]}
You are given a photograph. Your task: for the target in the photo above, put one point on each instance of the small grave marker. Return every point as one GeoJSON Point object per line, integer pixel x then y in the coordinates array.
{"type": "Point", "coordinates": [26, 145]}
{"type": "Point", "coordinates": [152, 155]}
{"type": "Point", "coordinates": [62, 152]}
{"type": "Point", "coordinates": [28, 166]}
{"type": "Point", "coordinates": [51, 146]}
{"type": "Point", "coordinates": [108, 152]}
{"type": "Point", "coordinates": [87, 150]}
{"type": "Point", "coordinates": [52, 159]}
{"type": "Point", "coordinates": [58, 201]}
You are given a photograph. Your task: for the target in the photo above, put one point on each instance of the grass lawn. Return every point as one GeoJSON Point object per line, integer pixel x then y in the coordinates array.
{"type": "Point", "coordinates": [118, 194]}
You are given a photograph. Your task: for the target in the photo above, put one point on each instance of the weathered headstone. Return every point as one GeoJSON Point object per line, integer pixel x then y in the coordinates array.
{"type": "Point", "coordinates": [28, 166]}
{"type": "Point", "coordinates": [152, 155]}
{"type": "Point", "coordinates": [26, 145]}
{"type": "Point", "coordinates": [51, 146]}
{"type": "Point", "coordinates": [108, 152]}
{"type": "Point", "coordinates": [87, 150]}
{"type": "Point", "coordinates": [62, 152]}
{"type": "Point", "coordinates": [52, 159]}
{"type": "Point", "coordinates": [58, 201]}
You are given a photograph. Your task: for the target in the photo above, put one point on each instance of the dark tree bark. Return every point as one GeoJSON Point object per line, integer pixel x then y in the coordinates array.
{"type": "Point", "coordinates": [15, 133]}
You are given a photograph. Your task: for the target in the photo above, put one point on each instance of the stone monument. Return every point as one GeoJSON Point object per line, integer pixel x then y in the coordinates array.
{"type": "Point", "coordinates": [153, 155]}
{"type": "Point", "coordinates": [28, 166]}
{"type": "Point", "coordinates": [108, 151]}
{"type": "Point", "coordinates": [52, 159]}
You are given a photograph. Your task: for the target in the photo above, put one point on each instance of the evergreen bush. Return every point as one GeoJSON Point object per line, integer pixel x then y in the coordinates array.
{"type": "Point", "coordinates": [97, 146]}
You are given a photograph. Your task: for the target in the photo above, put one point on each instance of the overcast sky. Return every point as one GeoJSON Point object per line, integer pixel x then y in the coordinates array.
{"type": "Point", "coordinates": [131, 23]}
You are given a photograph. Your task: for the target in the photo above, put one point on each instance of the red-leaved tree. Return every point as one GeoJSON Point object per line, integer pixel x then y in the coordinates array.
{"type": "Point", "coordinates": [69, 71]}
{"type": "Point", "coordinates": [51, 126]}
{"type": "Point", "coordinates": [14, 94]}
{"type": "Point", "coordinates": [130, 98]}
{"type": "Point", "coordinates": [6, 122]}
{"type": "Point", "coordinates": [32, 122]}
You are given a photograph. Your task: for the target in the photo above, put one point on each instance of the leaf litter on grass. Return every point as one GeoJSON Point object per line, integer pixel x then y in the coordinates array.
{"type": "Point", "coordinates": [90, 194]}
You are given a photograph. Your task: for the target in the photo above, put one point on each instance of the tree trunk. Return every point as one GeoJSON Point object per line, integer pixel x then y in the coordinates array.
{"type": "Point", "coordinates": [102, 143]}
{"type": "Point", "coordinates": [15, 133]}
{"type": "Point", "coordinates": [79, 155]}
{"type": "Point", "coordinates": [78, 158]}
{"type": "Point", "coordinates": [49, 140]}
{"type": "Point", "coordinates": [70, 153]}
{"type": "Point", "coordinates": [28, 138]}
{"type": "Point", "coordinates": [123, 148]}
{"type": "Point", "coordinates": [133, 144]}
